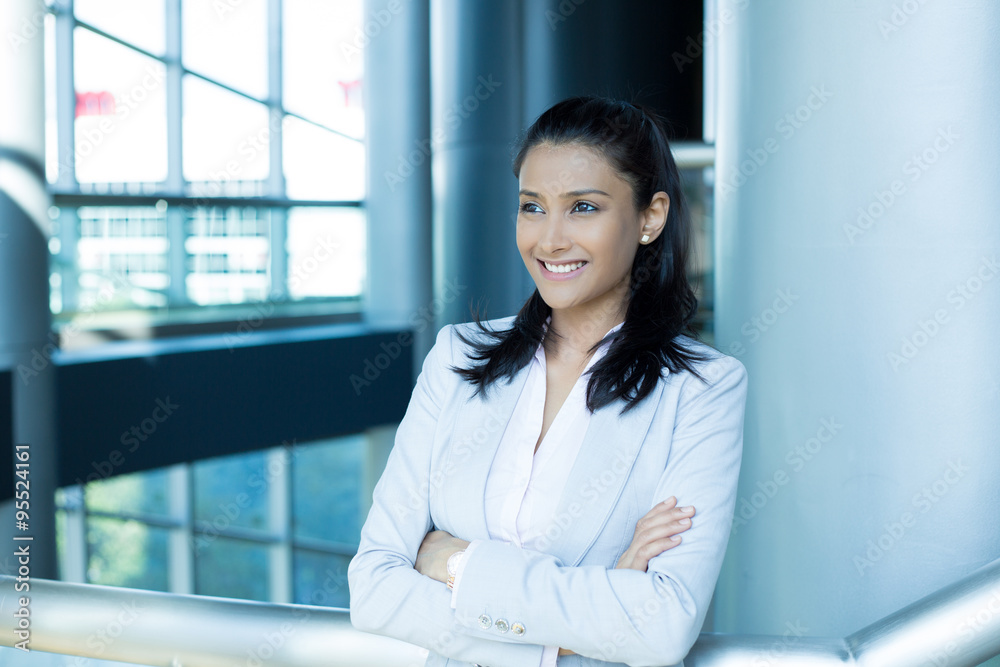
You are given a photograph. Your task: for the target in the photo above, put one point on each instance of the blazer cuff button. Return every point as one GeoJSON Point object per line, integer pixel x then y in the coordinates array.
{"type": "Point", "coordinates": [485, 622]}
{"type": "Point", "coordinates": [501, 625]}
{"type": "Point", "coordinates": [517, 629]}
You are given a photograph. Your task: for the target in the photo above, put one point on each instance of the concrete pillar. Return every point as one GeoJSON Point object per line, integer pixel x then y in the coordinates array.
{"type": "Point", "coordinates": [475, 115]}
{"type": "Point", "coordinates": [25, 345]}
{"type": "Point", "coordinates": [857, 279]}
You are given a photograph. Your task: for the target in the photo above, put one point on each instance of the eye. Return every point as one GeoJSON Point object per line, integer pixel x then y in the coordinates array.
{"type": "Point", "coordinates": [584, 203]}
{"type": "Point", "coordinates": [527, 207]}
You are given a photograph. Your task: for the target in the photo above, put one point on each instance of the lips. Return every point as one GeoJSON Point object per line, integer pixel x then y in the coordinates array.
{"type": "Point", "coordinates": [555, 275]}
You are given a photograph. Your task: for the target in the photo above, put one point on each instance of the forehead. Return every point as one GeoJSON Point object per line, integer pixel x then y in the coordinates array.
{"type": "Point", "coordinates": [557, 168]}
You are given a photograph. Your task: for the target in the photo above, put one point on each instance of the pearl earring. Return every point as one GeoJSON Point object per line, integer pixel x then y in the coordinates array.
{"type": "Point", "coordinates": [645, 237]}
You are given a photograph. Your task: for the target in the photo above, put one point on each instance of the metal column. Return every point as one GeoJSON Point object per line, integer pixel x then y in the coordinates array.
{"type": "Point", "coordinates": [476, 114]}
{"type": "Point", "coordinates": [26, 346]}
{"type": "Point", "coordinates": [398, 201]}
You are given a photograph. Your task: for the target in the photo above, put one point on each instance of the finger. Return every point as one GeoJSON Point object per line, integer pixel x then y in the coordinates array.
{"type": "Point", "coordinates": [655, 520]}
{"type": "Point", "coordinates": [668, 503]}
{"type": "Point", "coordinates": [654, 515]}
{"type": "Point", "coordinates": [665, 544]}
{"type": "Point", "coordinates": [674, 511]}
{"type": "Point", "coordinates": [673, 527]}
{"type": "Point", "coordinates": [660, 531]}
{"type": "Point", "coordinates": [664, 518]}
{"type": "Point", "coordinates": [654, 548]}
{"type": "Point", "coordinates": [669, 508]}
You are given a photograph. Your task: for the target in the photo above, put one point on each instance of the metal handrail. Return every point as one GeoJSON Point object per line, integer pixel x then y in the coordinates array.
{"type": "Point", "coordinates": [958, 626]}
{"type": "Point", "coordinates": [693, 154]}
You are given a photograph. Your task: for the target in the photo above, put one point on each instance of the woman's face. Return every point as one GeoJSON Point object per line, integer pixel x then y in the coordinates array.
{"type": "Point", "coordinates": [576, 213]}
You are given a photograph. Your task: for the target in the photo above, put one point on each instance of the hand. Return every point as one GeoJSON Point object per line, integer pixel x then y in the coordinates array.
{"type": "Point", "coordinates": [432, 557]}
{"type": "Point", "coordinates": [655, 533]}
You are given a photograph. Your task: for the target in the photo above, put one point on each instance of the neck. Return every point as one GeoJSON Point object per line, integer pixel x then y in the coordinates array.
{"type": "Point", "coordinates": [579, 330]}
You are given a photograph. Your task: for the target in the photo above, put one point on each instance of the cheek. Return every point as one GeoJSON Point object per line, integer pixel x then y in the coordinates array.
{"type": "Point", "coordinates": [615, 249]}
{"type": "Point", "coordinates": [523, 241]}
{"type": "Point", "coordinates": [625, 247]}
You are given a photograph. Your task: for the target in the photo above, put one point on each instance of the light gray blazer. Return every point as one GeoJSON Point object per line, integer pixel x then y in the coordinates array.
{"type": "Point", "coordinates": [684, 439]}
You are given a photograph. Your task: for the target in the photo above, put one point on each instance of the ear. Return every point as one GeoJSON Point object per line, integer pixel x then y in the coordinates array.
{"type": "Point", "coordinates": [654, 217]}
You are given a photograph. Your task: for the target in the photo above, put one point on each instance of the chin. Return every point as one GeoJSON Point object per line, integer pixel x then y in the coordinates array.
{"type": "Point", "coordinates": [557, 303]}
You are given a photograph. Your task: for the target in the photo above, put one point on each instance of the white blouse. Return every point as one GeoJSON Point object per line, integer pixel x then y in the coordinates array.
{"type": "Point", "coordinates": [523, 486]}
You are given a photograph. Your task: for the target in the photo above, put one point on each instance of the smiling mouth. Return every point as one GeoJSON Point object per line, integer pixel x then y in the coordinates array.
{"type": "Point", "coordinates": [567, 267]}
{"type": "Point", "coordinates": [561, 272]}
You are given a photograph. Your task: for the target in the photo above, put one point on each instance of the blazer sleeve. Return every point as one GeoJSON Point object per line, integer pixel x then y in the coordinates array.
{"type": "Point", "coordinates": [644, 619]}
{"type": "Point", "coordinates": [387, 595]}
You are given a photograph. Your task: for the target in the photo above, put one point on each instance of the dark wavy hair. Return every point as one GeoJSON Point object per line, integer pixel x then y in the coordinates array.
{"type": "Point", "coordinates": [661, 302]}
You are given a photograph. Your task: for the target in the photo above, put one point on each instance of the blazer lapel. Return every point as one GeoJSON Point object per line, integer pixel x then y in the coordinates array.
{"type": "Point", "coordinates": [603, 465]}
{"type": "Point", "coordinates": [479, 427]}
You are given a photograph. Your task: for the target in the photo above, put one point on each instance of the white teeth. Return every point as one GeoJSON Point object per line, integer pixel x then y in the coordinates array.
{"type": "Point", "coordinates": [563, 268]}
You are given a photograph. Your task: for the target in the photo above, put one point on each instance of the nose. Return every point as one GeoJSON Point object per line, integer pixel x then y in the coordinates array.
{"type": "Point", "coordinates": [554, 238]}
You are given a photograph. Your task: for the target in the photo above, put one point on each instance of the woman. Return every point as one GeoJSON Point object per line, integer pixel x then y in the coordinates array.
{"type": "Point", "coordinates": [503, 531]}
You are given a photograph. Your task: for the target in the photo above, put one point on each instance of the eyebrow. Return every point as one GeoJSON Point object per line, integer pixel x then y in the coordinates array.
{"type": "Point", "coordinates": [567, 195]}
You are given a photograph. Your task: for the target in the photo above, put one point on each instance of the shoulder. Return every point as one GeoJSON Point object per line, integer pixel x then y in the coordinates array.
{"type": "Point", "coordinates": [718, 371]}
{"type": "Point", "coordinates": [496, 324]}
{"type": "Point", "coordinates": [449, 348]}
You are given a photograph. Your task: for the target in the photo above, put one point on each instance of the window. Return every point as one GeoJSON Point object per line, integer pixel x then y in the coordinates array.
{"type": "Point", "coordinates": [206, 158]}
{"type": "Point", "coordinates": [195, 171]}
{"type": "Point", "coordinates": [274, 525]}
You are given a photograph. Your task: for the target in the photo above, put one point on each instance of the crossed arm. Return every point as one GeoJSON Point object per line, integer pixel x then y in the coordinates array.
{"type": "Point", "coordinates": [645, 619]}
{"type": "Point", "coordinates": [656, 532]}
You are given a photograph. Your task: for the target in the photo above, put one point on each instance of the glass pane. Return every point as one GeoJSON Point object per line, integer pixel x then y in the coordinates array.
{"type": "Point", "coordinates": [121, 113]}
{"type": "Point", "coordinates": [320, 164]}
{"type": "Point", "coordinates": [698, 195]}
{"type": "Point", "coordinates": [326, 252]}
{"type": "Point", "coordinates": [231, 491]}
{"type": "Point", "coordinates": [323, 62]}
{"type": "Point", "coordinates": [697, 184]}
{"type": "Point", "coordinates": [62, 528]}
{"type": "Point", "coordinates": [231, 569]}
{"type": "Point", "coordinates": [59, 268]}
{"type": "Point", "coordinates": [226, 40]}
{"type": "Point", "coordinates": [225, 140]}
{"type": "Point", "coordinates": [51, 129]}
{"type": "Point", "coordinates": [139, 22]}
{"type": "Point", "coordinates": [228, 253]}
{"type": "Point", "coordinates": [321, 579]}
{"type": "Point", "coordinates": [126, 553]}
{"type": "Point", "coordinates": [121, 258]}
{"type": "Point", "coordinates": [139, 493]}
{"type": "Point", "coordinates": [326, 490]}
